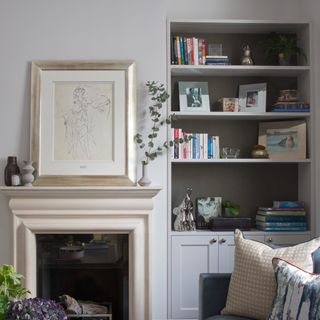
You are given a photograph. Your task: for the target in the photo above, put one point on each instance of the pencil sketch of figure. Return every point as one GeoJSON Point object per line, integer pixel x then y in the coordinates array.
{"type": "Point", "coordinates": [83, 124]}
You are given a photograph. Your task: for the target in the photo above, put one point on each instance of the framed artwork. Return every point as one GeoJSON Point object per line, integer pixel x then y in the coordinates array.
{"type": "Point", "coordinates": [207, 208]}
{"type": "Point", "coordinates": [252, 97]}
{"type": "Point", "coordinates": [194, 96]}
{"type": "Point", "coordinates": [284, 139]}
{"type": "Point", "coordinates": [83, 122]}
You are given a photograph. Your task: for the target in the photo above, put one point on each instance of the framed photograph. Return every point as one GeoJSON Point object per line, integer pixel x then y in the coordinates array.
{"type": "Point", "coordinates": [252, 97]}
{"type": "Point", "coordinates": [229, 104]}
{"type": "Point", "coordinates": [83, 122]}
{"type": "Point", "coordinates": [207, 208]}
{"type": "Point", "coordinates": [194, 96]}
{"type": "Point", "coordinates": [284, 139]}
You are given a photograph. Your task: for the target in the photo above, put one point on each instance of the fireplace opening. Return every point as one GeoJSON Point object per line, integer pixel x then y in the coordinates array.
{"type": "Point", "coordinates": [92, 269]}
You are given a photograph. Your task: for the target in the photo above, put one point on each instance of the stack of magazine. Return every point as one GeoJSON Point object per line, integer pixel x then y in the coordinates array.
{"type": "Point", "coordinates": [283, 216]}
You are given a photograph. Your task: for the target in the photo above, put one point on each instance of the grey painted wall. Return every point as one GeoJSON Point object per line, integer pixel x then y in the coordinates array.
{"type": "Point", "coordinates": [102, 29]}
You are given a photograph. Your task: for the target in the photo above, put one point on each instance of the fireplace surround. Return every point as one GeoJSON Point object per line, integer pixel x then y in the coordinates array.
{"type": "Point", "coordinates": [81, 210]}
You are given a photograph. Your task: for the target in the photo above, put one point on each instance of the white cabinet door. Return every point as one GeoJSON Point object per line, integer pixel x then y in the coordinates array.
{"type": "Point", "coordinates": [286, 239]}
{"type": "Point", "coordinates": [226, 254]}
{"type": "Point", "coordinates": [191, 255]}
{"type": "Point", "coordinates": [226, 251]}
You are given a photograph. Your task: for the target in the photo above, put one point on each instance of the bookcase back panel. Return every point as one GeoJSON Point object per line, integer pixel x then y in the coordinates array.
{"type": "Point", "coordinates": [228, 87]}
{"type": "Point", "coordinates": [250, 186]}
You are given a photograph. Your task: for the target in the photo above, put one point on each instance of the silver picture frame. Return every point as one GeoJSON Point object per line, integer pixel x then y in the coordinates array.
{"type": "Point", "coordinates": [83, 122]}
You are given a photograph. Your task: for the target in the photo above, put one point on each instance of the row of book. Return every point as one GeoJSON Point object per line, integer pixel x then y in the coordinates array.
{"type": "Point", "coordinates": [283, 216]}
{"type": "Point", "coordinates": [185, 50]}
{"type": "Point", "coordinates": [199, 146]}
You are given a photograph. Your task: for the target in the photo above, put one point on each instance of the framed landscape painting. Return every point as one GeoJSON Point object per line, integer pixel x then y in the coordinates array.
{"type": "Point", "coordinates": [82, 122]}
{"type": "Point", "coordinates": [284, 139]}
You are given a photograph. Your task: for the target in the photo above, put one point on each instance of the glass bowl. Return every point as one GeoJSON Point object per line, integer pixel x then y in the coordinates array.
{"type": "Point", "coordinates": [230, 153]}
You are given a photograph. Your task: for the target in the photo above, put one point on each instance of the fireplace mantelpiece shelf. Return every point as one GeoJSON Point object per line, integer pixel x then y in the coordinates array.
{"type": "Point", "coordinates": [64, 210]}
{"type": "Point", "coordinates": [80, 192]}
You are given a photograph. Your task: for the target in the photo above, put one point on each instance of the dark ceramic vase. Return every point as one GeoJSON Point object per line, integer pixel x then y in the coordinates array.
{"type": "Point", "coordinates": [10, 170]}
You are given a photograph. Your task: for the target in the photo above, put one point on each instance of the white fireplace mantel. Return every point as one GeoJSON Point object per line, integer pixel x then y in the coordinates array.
{"type": "Point", "coordinates": [86, 210]}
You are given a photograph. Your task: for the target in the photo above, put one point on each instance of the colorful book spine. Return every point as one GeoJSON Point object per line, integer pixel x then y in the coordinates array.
{"type": "Point", "coordinates": [271, 218]}
{"type": "Point", "coordinates": [176, 143]}
{"type": "Point", "coordinates": [282, 228]}
{"type": "Point", "coordinates": [209, 147]}
{"type": "Point", "coordinates": [281, 224]}
{"type": "Point", "coordinates": [282, 213]}
{"type": "Point", "coordinates": [184, 146]}
{"type": "Point", "coordinates": [288, 204]}
{"type": "Point", "coordinates": [178, 49]}
{"type": "Point", "coordinates": [182, 50]}
{"type": "Point", "coordinates": [196, 51]}
{"type": "Point", "coordinates": [205, 146]}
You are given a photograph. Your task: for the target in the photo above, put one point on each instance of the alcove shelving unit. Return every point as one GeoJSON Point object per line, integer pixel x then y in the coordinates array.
{"type": "Point", "coordinates": [246, 181]}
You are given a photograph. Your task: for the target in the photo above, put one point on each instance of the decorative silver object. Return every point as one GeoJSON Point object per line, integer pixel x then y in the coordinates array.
{"type": "Point", "coordinates": [246, 57]}
{"type": "Point", "coordinates": [184, 212]}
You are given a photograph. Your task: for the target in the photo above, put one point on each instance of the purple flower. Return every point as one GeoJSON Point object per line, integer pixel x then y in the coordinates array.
{"type": "Point", "coordinates": [35, 308]}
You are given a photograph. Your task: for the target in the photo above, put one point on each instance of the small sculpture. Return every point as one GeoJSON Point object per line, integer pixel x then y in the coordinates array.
{"type": "Point", "coordinates": [27, 176]}
{"type": "Point", "coordinates": [246, 57]}
{"type": "Point", "coordinates": [184, 212]}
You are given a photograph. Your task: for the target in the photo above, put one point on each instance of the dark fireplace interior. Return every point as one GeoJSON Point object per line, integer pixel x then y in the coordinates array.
{"type": "Point", "coordinates": [91, 268]}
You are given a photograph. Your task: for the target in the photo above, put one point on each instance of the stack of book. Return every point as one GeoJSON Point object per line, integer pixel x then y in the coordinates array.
{"type": "Point", "coordinates": [217, 60]}
{"type": "Point", "coordinates": [283, 216]}
{"type": "Point", "coordinates": [188, 50]}
{"type": "Point", "coordinates": [291, 107]}
{"type": "Point", "coordinates": [200, 145]}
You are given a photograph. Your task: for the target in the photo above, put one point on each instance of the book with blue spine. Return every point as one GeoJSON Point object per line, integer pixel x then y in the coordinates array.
{"type": "Point", "coordinates": [281, 224]}
{"type": "Point", "coordinates": [288, 204]}
{"type": "Point", "coordinates": [282, 228]}
{"type": "Point", "coordinates": [271, 218]}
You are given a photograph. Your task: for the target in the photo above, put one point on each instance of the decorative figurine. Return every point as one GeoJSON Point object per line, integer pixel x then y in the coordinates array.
{"type": "Point", "coordinates": [246, 57]}
{"type": "Point", "coordinates": [259, 151]}
{"type": "Point", "coordinates": [184, 212]}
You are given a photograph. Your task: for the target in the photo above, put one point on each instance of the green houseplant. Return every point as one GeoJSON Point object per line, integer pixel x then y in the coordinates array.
{"type": "Point", "coordinates": [149, 144]}
{"type": "Point", "coordinates": [10, 287]}
{"type": "Point", "coordinates": [281, 48]}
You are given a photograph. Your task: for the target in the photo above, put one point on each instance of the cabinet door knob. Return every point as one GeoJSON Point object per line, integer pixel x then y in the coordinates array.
{"type": "Point", "coordinates": [213, 240]}
{"type": "Point", "coordinates": [223, 240]}
{"type": "Point", "coordinates": [269, 240]}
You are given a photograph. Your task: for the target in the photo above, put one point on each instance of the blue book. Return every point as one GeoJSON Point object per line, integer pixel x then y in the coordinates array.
{"type": "Point", "coordinates": [281, 224]}
{"type": "Point", "coordinates": [194, 146]}
{"type": "Point", "coordinates": [282, 228]}
{"type": "Point", "coordinates": [271, 218]}
{"type": "Point", "coordinates": [209, 147]}
{"type": "Point", "coordinates": [288, 204]}
{"type": "Point", "coordinates": [182, 51]}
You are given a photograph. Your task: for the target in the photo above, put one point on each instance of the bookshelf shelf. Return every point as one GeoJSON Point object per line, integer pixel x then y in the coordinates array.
{"type": "Point", "coordinates": [231, 161]}
{"type": "Point", "coordinates": [237, 71]}
{"type": "Point", "coordinates": [239, 115]}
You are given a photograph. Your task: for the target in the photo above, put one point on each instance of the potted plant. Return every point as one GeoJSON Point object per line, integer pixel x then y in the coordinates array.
{"type": "Point", "coordinates": [281, 48]}
{"type": "Point", "coordinates": [149, 144]}
{"type": "Point", "coordinates": [35, 308]}
{"type": "Point", "coordinates": [230, 209]}
{"type": "Point", "coordinates": [10, 287]}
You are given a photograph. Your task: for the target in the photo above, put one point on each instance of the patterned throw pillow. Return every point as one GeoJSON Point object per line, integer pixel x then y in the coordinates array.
{"type": "Point", "coordinates": [252, 286]}
{"type": "Point", "coordinates": [298, 293]}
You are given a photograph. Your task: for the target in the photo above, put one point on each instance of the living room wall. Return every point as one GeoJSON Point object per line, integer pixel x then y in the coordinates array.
{"type": "Point", "coordinates": [100, 29]}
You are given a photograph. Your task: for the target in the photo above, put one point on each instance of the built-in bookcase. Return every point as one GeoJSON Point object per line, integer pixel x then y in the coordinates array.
{"type": "Point", "coordinates": [246, 181]}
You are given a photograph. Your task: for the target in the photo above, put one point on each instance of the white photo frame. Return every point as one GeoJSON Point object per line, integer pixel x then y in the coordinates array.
{"type": "Point", "coordinates": [194, 96]}
{"type": "Point", "coordinates": [252, 97]}
{"type": "Point", "coordinates": [83, 122]}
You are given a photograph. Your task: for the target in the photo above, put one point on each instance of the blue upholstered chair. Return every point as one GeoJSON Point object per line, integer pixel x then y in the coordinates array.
{"type": "Point", "coordinates": [213, 290]}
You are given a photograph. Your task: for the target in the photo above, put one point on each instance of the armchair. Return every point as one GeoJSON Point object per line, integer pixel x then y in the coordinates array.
{"type": "Point", "coordinates": [213, 290]}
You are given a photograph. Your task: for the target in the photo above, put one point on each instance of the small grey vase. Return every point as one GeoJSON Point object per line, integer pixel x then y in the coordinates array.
{"type": "Point", "coordinates": [27, 176]}
{"type": "Point", "coordinates": [144, 181]}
